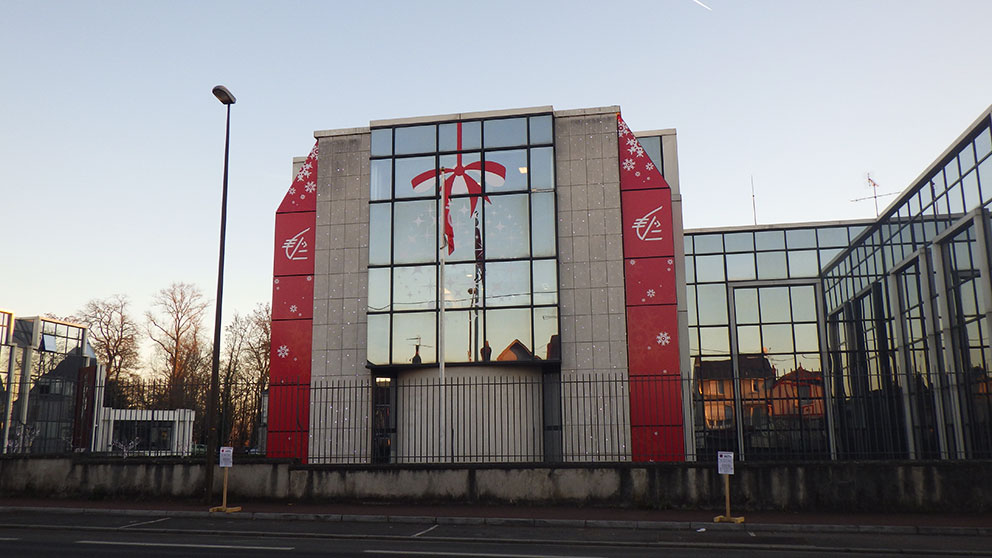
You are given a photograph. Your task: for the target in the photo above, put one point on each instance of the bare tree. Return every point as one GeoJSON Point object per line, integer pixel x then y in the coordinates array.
{"type": "Point", "coordinates": [114, 335]}
{"type": "Point", "coordinates": [244, 376]}
{"type": "Point", "coordinates": [175, 327]}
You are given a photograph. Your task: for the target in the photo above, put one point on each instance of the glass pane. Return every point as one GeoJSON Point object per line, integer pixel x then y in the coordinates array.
{"type": "Point", "coordinates": [749, 340]}
{"type": "Point", "coordinates": [712, 301]}
{"type": "Point", "coordinates": [687, 242]}
{"type": "Point", "coordinates": [714, 341]}
{"type": "Point", "coordinates": [381, 187]}
{"type": "Point", "coordinates": [802, 263]}
{"type": "Point", "coordinates": [801, 238]}
{"type": "Point", "coordinates": [774, 304]}
{"type": "Point", "coordinates": [983, 144]}
{"type": "Point", "coordinates": [690, 303]}
{"type": "Point", "coordinates": [464, 223]}
{"type": "Point", "coordinates": [967, 157]}
{"type": "Point", "coordinates": [746, 306]}
{"type": "Point", "coordinates": [769, 240]}
{"type": "Point", "coordinates": [709, 268]}
{"type": "Point", "coordinates": [414, 288]}
{"type": "Point", "coordinates": [652, 146]}
{"type": "Point", "coordinates": [969, 185]}
{"type": "Point", "coordinates": [414, 232]}
{"type": "Point", "coordinates": [382, 142]}
{"type": "Point", "coordinates": [378, 339]}
{"type": "Point", "coordinates": [832, 238]}
{"type": "Point", "coordinates": [416, 177]}
{"type": "Point", "coordinates": [708, 243]}
{"type": "Point", "coordinates": [505, 132]}
{"type": "Point", "coordinates": [507, 283]}
{"type": "Point", "coordinates": [460, 284]}
{"type": "Point", "coordinates": [540, 129]}
{"type": "Point", "coordinates": [806, 338]}
{"type": "Point", "coordinates": [514, 163]}
{"type": "Point", "coordinates": [985, 177]}
{"type": "Point", "coordinates": [415, 338]}
{"type": "Point", "coordinates": [826, 256]}
{"type": "Point", "coordinates": [739, 242]}
{"type": "Point", "coordinates": [415, 139]}
{"type": "Point", "coordinates": [545, 282]}
{"type": "Point", "coordinates": [777, 338]}
{"type": "Point", "coordinates": [543, 224]}
{"type": "Point", "coordinates": [508, 333]}
{"type": "Point", "coordinates": [547, 344]}
{"type": "Point", "coordinates": [507, 230]}
{"type": "Point", "coordinates": [542, 169]}
{"type": "Point", "coordinates": [740, 267]}
{"type": "Point", "coordinates": [803, 304]}
{"type": "Point", "coordinates": [463, 180]}
{"type": "Point", "coordinates": [771, 265]}
{"type": "Point", "coordinates": [378, 289]}
{"type": "Point", "coordinates": [690, 269]}
{"type": "Point", "coordinates": [379, 237]}
{"type": "Point", "coordinates": [471, 136]}
{"type": "Point", "coordinates": [460, 339]}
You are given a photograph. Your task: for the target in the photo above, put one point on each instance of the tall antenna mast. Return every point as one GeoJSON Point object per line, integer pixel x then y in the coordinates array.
{"type": "Point", "coordinates": [874, 192]}
{"type": "Point", "coordinates": [754, 203]}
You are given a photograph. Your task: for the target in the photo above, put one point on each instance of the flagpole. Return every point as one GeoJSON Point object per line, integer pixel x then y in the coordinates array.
{"type": "Point", "coordinates": [441, 223]}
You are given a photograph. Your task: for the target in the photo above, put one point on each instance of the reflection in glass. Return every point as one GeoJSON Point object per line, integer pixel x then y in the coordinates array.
{"type": "Point", "coordinates": [378, 339]}
{"type": "Point", "coordinates": [547, 344]}
{"type": "Point", "coordinates": [740, 267]}
{"type": "Point", "coordinates": [806, 338]}
{"type": "Point", "coordinates": [505, 132]}
{"type": "Point", "coordinates": [749, 339]}
{"type": "Point", "coordinates": [378, 289]}
{"type": "Point", "coordinates": [545, 282]}
{"type": "Point", "coordinates": [460, 341]}
{"type": "Point", "coordinates": [409, 169]}
{"type": "Point", "coordinates": [415, 139]}
{"type": "Point", "coordinates": [771, 265]}
{"type": "Point", "coordinates": [803, 304]}
{"type": "Point", "coordinates": [414, 232]}
{"type": "Point", "coordinates": [414, 287]}
{"type": "Point", "coordinates": [542, 169]}
{"type": "Point", "coordinates": [464, 223]}
{"type": "Point", "coordinates": [746, 305]}
{"type": "Point", "coordinates": [712, 301]}
{"type": "Point", "coordinates": [777, 338]}
{"type": "Point", "coordinates": [714, 341]}
{"type": "Point", "coordinates": [507, 234]}
{"type": "Point", "coordinates": [471, 136]}
{"type": "Point", "coordinates": [515, 163]}
{"type": "Point", "coordinates": [543, 224]}
{"type": "Point", "coordinates": [540, 129]}
{"type": "Point", "coordinates": [774, 303]}
{"type": "Point", "coordinates": [415, 338]}
{"type": "Point", "coordinates": [652, 146]}
{"type": "Point", "coordinates": [382, 142]}
{"type": "Point", "coordinates": [381, 185]}
{"type": "Point", "coordinates": [460, 283]}
{"type": "Point", "coordinates": [507, 283]}
{"type": "Point", "coordinates": [709, 268]}
{"type": "Point", "coordinates": [508, 333]}
{"type": "Point", "coordinates": [379, 240]}
{"type": "Point", "coordinates": [802, 263]}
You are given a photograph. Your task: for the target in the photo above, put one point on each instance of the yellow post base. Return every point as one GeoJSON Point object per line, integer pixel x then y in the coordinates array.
{"type": "Point", "coordinates": [727, 518]}
{"type": "Point", "coordinates": [223, 507]}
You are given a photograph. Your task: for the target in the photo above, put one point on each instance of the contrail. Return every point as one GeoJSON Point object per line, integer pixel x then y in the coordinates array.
{"type": "Point", "coordinates": [703, 5]}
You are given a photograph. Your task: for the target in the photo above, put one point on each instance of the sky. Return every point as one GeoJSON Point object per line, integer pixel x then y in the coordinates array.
{"type": "Point", "coordinates": [111, 143]}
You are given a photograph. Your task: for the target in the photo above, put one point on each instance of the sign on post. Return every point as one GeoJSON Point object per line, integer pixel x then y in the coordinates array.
{"type": "Point", "coordinates": [725, 462]}
{"type": "Point", "coordinates": [227, 456]}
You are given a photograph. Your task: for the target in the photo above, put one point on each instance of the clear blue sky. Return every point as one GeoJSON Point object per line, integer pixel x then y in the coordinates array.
{"type": "Point", "coordinates": [111, 143]}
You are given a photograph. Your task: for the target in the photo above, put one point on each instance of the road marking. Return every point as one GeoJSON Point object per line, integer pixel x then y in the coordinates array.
{"type": "Point", "coordinates": [180, 545]}
{"type": "Point", "coordinates": [426, 531]}
{"type": "Point", "coordinates": [9, 539]}
{"type": "Point", "coordinates": [479, 554]}
{"type": "Point", "coordinates": [145, 522]}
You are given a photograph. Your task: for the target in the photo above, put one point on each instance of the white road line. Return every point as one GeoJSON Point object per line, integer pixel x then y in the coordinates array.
{"type": "Point", "coordinates": [428, 530]}
{"type": "Point", "coordinates": [9, 539]}
{"type": "Point", "coordinates": [472, 554]}
{"type": "Point", "coordinates": [180, 545]}
{"type": "Point", "coordinates": [145, 522]}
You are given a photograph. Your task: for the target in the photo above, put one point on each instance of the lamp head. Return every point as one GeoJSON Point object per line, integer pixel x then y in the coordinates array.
{"type": "Point", "coordinates": [224, 95]}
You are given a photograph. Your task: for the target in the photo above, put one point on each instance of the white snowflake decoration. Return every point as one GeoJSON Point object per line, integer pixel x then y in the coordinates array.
{"type": "Point", "coordinates": [663, 338]}
{"type": "Point", "coordinates": [292, 190]}
{"type": "Point", "coordinates": [310, 187]}
{"type": "Point", "coordinates": [622, 129]}
{"type": "Point", "coordinates": [628, 164]}
{"type": "Point", "coordinates": [292, 308]}
{"type": "Point", "coordinates": [631, 141]}
{"type": "Point", "coordinates": [282, 351]}
{"type": "Point", "coordinates": [640, 151]}
{"type": "Point", "coordinates": [650, 293]}
{"type": "Point", "coordinates": [649, 166]}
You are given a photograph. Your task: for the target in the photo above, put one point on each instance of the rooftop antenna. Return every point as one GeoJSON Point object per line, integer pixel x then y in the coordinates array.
{"type": "Point", "coordinates": [874, 194]}
{"type": "Point", "coordinates": [754, 203]}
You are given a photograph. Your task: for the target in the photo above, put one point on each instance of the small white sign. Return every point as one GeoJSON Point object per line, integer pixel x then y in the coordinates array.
{"type": "Point", "coordinates": [226, 456]}
{"type": "Point", "coordinates": [725, 462]}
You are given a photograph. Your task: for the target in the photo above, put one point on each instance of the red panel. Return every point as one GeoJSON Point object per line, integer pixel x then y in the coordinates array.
{"type": "Point", "coordinates": [292, 297]}
{"type": "Point", "coordinates": [295, 246]}
{"type": "Point", "coordinates": [657, 443]}
{"type": "Point", "coordinates": [652, 340]}
{"type": "Point", "coordinates": [655, 401]}
{"type": "Point", "coordinates": [637, 171]}
{"type": "Point", "coordinates": [650, 281]}
{"type": "Point", "coordinates": [289, 389]}
{"type": "Point", "coordinates": [302, 194]}
{"type": "Point", "coordinates": [647, 223]}
{"type": "Point", "coordinates": [290, 356]}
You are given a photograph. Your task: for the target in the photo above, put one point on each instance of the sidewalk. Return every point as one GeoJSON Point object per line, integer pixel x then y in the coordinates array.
{"type": "Point", "coordinates": [909, 523]}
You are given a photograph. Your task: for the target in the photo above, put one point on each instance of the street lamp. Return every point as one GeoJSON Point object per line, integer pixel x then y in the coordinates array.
{"type": "Point", "coordinates": [225, 97]}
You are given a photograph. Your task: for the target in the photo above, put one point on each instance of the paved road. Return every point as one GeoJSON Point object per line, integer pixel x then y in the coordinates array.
{"type": "Point", "coordinates": [68, 533]}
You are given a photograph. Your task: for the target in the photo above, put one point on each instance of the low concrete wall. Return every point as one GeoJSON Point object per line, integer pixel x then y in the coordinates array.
{"type": "Point", "coordinates": [864, 486]}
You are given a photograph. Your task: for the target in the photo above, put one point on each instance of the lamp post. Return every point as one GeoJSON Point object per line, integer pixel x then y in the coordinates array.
{"type": "Point", "coordinates": [225, 97]}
